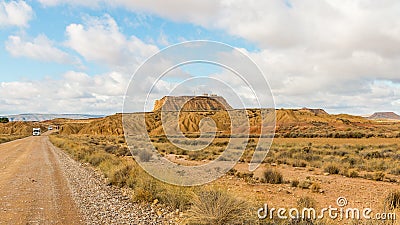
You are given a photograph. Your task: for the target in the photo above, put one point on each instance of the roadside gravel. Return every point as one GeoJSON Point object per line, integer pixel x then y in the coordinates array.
{"type": "Point", "coordinates": [102, 204]}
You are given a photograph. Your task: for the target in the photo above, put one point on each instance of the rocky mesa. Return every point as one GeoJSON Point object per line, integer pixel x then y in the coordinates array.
{"type": "Point", "coordinates": [191, 103]}
{"type": "Point", "coordinates": [384, 116]}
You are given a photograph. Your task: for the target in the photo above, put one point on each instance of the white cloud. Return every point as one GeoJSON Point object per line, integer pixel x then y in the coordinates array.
{"type": "Point", "coordinates": [316, 53]}
{"type": "Point", "coordinates": [91, 3]}
{"type": "Point", "coordinates": [40, 48]}
{"type": "Point", "coordinates": [75, 92]}
{"type": "Point", "coordinates": [100, 40]}
{"type": "Point", "coordinates": [15, 13]}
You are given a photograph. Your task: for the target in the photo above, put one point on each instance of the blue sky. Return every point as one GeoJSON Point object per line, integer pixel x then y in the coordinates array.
{"type": "Point", "coordinates": [61, 56]}
{"type": "Point", "coordinates": [52, 21]}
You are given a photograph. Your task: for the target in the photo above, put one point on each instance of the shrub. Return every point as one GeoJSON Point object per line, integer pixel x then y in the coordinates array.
{"type": "Point", "coordinates": [378, 176]}
{"type": "Point", "coordinates": [146, 188]}
{"type": "Point", "coordinates": [142, 195]}
{"type": "Point", "coordinates": [96, 158]}
{"type": "Point", "coordinates": [306, 202]}
{"type": "Point", "coordinates": [299, 163]}
{"type": "Point", "coordinates": [395, 171]}
{"type": "Point", "coordinates": [4, 120]}
{"type": "Point", "coordinates": [245, 175]}
{"type": "Point", "coordinates": [272, 176]}
{"type": "Point", "coordinates": [145, 155]}
{"type": "Point", "coordinates": [332, 169]}
{"type": "Point", "coordinates": [176, 197]}
{"type": "Point", "coordinates": [110, 148]}
{"type": "Point", "coordinates": [123, 151]}
{"type": "Point", "coordinates": [305, 184]}
{"type": "Point", "coordinates": [315, 187]}
{"type": "Point", "coordinates": [231, 172]}
{"type": "Point", "coordinates": [217, 207]}
{"type": "Point", "coordinates": [121, 174]}
{"type": "Point", "coordinates": [353, 174]}
{"type": "Point", "coordinates": [392, 200]}
{"type": "Point", "coordinates": [294, 183]}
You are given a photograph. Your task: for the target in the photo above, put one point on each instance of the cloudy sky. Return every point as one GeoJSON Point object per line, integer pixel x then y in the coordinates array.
{"type": "Point", "coordinates": [75, 56]}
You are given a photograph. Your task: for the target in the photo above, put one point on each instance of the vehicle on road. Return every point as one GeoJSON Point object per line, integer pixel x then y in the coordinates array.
{"type": "Point", "coordinates": [36, 132]}
{"type": "Point", "coordinates": [50, 128]}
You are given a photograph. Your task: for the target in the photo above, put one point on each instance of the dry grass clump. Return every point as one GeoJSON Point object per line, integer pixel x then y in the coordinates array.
{"type": "Point", "coordinates": [217, 207]}
{"type": "Point", "coordinates": [176, 197]}
{"type": "Point", "coordinates": [332, 169]}
{"type": "Point", "coordinates": [342, 157]}
{"type": "Point", "coordinates": [392, 200]}
{"type": "Point", "coordinates": [8, 138]}
{"type": "Point", "coordinates": [352, 173]}
{"type": "Point", "coordinates": [122, 171]}
{"type": "Point", "coordinates": [148, 189]}
{"type": "Point", "coordinates": [378, 176]}
{"type": "Point", "coordinates": [272, 176]}
{"type": "Point", "coordinates": [305, 184]}
{"type": "Point", "coordinates": [294, 183]}
{"type": "Point", "coordinates": [145, 155]}
{"type": "Point", "coordinates": [315, 187]}
{"type": "Point", "coordinates": [306, 202]}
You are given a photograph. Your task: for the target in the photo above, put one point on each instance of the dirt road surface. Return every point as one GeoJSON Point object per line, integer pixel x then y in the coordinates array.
{"type": "Point", "coordinates": [33, 188]}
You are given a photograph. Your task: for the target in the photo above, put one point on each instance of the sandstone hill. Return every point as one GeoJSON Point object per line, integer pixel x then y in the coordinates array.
{"type": "Point", "coordinates": [384, 116]}
{"type": "Point", "coordinates": [289, 123]}
{"type": "Point", "coordinates": [191, 103]}
{"type": "Point", "coordinates": [303, 122]}
{"type": "Point", "coordinates": [20, 128]}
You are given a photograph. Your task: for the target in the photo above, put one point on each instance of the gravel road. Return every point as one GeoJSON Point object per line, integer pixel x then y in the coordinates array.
{"type": "Point", "coordinates": [40, 184]}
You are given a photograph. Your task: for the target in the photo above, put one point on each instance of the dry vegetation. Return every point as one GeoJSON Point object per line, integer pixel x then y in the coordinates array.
{"type": "Point", "coordinates": [110, 155]}
{"type": "Point", "coordinates": [315, 159]}
{"type": "Point", "coordinates": [360, 160]}
{"type": "Point", "coordinates": [7, 138]}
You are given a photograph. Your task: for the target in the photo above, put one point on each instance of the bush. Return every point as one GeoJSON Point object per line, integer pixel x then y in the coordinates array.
{"type": "Point", "coordinates": [332, 169]}
{"type": "Point", "coordinates": [315, 187]}
{"type": "Point", "coordinates": [176, 197]}
{"type": "Point", "coordinates": [272, 176]}
{"type": "Point", "coordinates": [305, 184]}
{"type": "Point", "coordinates": [395, 171]}
{"type": "Point", "coordinates": [392, 201]}
{"type": "Point", "coordinates": [145, 155]}
{"type": "Point", "coordinates": [4, 120]}
{"type": "Point", "coordinates": [146, 189]}
{"type": "Point", "coordinates": [294, 183]}
{"type": "Point", "coordinates": [352, 174]}
{"type": "Point", "coordinates": [299, 163]}
{"type": "Point", "coordinates": [217, 207]}
{"type": "Point", "coordinates": [306, 202]}
{"type": "Point", "coordinates": [378, 176]}
{"type": "Point", "coordinates": [96, 158]}
{"type": "Point", "coordinates": [121, 175]}
{"type": "Point", "coordinates": [142, 195]}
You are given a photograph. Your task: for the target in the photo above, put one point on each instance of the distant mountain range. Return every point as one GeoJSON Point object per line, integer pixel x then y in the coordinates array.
{"type": "Point", "coordinates": [384, 115]}
{"type": "Point", "coordinates": [43, 117]}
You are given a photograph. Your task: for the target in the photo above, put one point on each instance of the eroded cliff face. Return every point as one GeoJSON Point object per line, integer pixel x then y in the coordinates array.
{"type": "Point", "coordinates": [191, 103]}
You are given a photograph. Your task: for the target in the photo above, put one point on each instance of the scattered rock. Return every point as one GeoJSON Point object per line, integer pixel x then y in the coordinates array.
{"type": "Point", "coordinates": [100, 203]}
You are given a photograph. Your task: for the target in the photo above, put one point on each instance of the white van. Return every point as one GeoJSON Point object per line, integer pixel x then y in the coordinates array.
{"type": "Point", "coordinates": [36, 132]}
